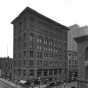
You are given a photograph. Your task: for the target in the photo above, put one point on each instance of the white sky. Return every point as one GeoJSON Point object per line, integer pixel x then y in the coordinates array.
{"type": "Point", "coordinates": [66, 12]}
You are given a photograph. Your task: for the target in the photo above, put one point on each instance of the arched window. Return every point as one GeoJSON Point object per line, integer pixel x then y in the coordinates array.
{"type": "Point", "coordinates": [86, 53]}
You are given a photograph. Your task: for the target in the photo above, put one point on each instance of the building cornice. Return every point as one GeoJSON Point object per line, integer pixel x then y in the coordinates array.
{"type": "Point", "coordinates": [81, 38]}
{"type": "Point", "coordinates": [28, 11]}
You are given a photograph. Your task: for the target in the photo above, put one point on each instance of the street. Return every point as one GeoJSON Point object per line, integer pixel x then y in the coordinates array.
{"type": "Point", "coordinates": [7, 84]}
{"type": "Point", "coordinates": [4, 85]}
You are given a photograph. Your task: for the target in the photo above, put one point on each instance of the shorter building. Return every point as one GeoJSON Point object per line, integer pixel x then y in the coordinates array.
{"type": "Point", "coordinates": [72, 65]}
{"type": "Point", "coordinates": [6, 67]}
{"type": "Point", "coordinates": [82, 42]}
{"type": "Point", "coordinates": [78, 42]}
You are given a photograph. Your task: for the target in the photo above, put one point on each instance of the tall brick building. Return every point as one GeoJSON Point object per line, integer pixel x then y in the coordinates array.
{"type": "Point", "coordinates": [40, 47]}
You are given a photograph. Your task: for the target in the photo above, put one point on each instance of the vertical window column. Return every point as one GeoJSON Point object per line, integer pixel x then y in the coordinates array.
{"type": "Point", "coordinates": [50, 72]}
{"type": "Point", "coordinates": [45, 72]}
{"type": "Point", "coordinates": [31, 53]}
{"type": "Point", "coordinates": [39, 72]}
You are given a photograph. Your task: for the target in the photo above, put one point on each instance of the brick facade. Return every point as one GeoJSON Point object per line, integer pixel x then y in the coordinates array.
{"type": "Point", "coordinates": [40, 47]}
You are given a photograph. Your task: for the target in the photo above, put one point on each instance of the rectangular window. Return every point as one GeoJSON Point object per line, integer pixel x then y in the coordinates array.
{"type": "Point", "coordinates": [39, 54]}
{"type": "Point", "coordinates": [19, 72]}
{"type": "Point", "coordinates": [24, 62]}
{"type": "Point", "coordinates": [39, 47]}
{"type": "Point", "coordinates": [31, 72]}
{"type": "Point", "coordinates": [25, 44]}
{"type": "Point", "coordinates": [45, 63]}
{"type": "Point", "coordinates": [31, 37]}
{"type": "Point", "coordinates": [31, 53]}
{"type": "Point", "coordinates": [31, 63]}
{"type": "Point", "coordinates": [19, 55]}
{"type": "Point", "coordinates": [46, 54]}
{"type": "Point", "coordinates": [60, 70]}
{"type": "Point", "coordinates": [24, 36]}
{"type": "Point", "coordinates": [39, 72]}
{"type": "Point", "coordinates": [24, 53]}
{"type": "Point", "coordinates": [50, 72]}
{"type": "Point", "coordinates": [45, 72]}
{"type": "Point", "coordinates": [20, 27]}
{"type": "Point", "coordinates": [19, 43]}
{"type": "Point", "coordinates": [45, 41]}
{"type": "Point", "coordinates": [24, 72]}
{"type": "Point", "coordinates": [55, 71]}
{"type": "Point", "coordinates": [39, 62]}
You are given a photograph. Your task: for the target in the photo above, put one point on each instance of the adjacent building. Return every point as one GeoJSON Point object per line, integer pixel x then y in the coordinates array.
{"type": "Point", "coordinates": [75, 31]}
{"type": "Point", "coordinates": [6, 64]}
{"type": "Point", "coordinates": [82, 42]}
{"type": "Point", "coordinates": [78, 46]}
{"type": "Point", "coordinates": [40, 47]}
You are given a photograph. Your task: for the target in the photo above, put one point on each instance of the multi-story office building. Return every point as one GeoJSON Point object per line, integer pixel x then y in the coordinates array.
{"type": "Point", "coordinates": [40, 47]}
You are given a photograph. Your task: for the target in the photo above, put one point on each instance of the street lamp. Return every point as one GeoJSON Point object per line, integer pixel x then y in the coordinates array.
{"type": "Point", "coordinates": [78, 83]}
{"type": "Point", "coordinates": [32, 83]}
{"type": "Point", "coordinates": [64, 84]}
{"type": "Point", "coordinates": [39, 81]}
{"type": "Point", "coordinates": [56, 81]}
{"type": "Point", "coordinates": [56, 78]}
{"type": "Point", "coordinates": [47, 81]}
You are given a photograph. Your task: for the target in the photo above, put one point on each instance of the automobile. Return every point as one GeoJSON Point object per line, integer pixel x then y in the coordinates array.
{"type": "Point", "coordinates": [25, 84]}
{"type": "Point", "coordinates": [51, 84]}
{"type": "Point", "coordinates": [41, 86]}
{"type": "Point", "coordinates": [58, 83]}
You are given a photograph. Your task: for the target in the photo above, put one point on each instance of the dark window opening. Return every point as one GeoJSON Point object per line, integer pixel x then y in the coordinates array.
{"type": "Point", "coordinates": [31, 73]}
{"type": "Point", "coordinates": [86, 54]}
{"type": "Point", "coordinates": [55, 71]}
{"type": "Point", "coordinates": [73, 87]}
{"type": "Point", "coordinates": [60, 70]}
{"type": "Point", "coordinates": [39, 73]}
{"type": "Point", "coordinates": [31, 62]}
{"type": "Point", "coordinates": [39, 54]}
{"type": "Point", "coordinates": [45, 72]}
{"type": "Point", "coordinates": [31, 53]}
{"type": "Point", "coordinates": [50, 72]}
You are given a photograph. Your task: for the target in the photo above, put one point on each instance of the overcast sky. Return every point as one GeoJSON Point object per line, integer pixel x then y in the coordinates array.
{"type": "Point", "coordinates": [66, 12]}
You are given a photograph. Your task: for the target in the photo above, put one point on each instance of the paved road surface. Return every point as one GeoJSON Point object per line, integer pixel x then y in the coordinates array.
{"type": "Point", "coordinates": [4, 85]}
{"type": "Point", "coordinates": [7, 84]}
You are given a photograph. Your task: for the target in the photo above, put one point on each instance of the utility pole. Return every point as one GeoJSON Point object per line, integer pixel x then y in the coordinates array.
{"type": "Point", "coordinates": [39, 81]}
